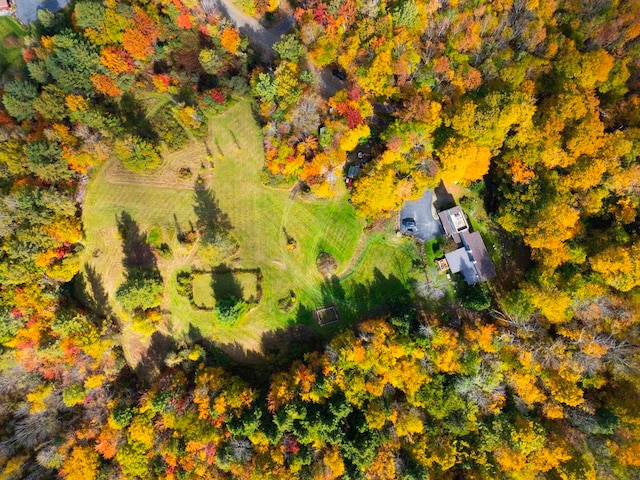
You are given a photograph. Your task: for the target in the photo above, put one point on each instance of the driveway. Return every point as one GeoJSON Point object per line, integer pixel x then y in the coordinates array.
{"type": "Point", "coordinates": [258, 35]}
{"type": "Point", "coordinates": [27, 10]}
{"type": "Point", "coordinates": [328, 82]}
{"type": "Point", "coordinates": [263, 39]}
{"type": "Point", "coordinates": [427, 226]}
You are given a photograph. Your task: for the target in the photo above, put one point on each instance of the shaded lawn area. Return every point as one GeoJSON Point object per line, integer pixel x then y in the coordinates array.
{"type": "Point", "coordinates": [380, 283]}
{"type": "Point", "coordinates": [209, 286]}
{"type": "Point", "coordinates": [10, 55]}
{"type": "Point", "coordinates": [259, 216]}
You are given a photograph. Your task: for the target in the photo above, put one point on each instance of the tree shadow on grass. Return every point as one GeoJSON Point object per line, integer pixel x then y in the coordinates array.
{"type": "Point", "coordinates": [284, 345]}
{"type": "Point", "coordinates": [87, 288]}
{"type": "Point", "coordinates": [279, 348]}
{"type": "Point", "coordinates": [225, 285]}
{"type": "Point", "coordinates": [152, 362]}
{"type": "Point", "coordinates": [98, 292]}
{"type": "Point", "coordinates": [137, 253]}
{"type": "Point", "coordinates": [380, 296]}
{"type": "Point", "coordinates": [212, 222]}
{"type": "Point", "coordinates": [133, 113]}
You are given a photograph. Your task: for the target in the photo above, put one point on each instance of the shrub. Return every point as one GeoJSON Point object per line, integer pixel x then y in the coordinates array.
{"type": "Point", "coordinates": [326, 264]}
{"type": "Point", "coordinates": [141, 291]}
{"type": "Point", "coordinates": [475, 297]}
{"type": "Point", "coordinates": [185, 287]}
{"type": "Point", "coordinates": [229, 310]}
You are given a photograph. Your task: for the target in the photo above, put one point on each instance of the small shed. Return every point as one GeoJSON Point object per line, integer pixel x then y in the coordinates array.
{"type": "Point", "coordinates": [442, 265]}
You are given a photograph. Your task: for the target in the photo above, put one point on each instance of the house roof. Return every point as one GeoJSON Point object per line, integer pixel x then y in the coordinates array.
{"type": "Point", "coordinates": [478, 251]}
{"type": "Point", "coordinates": [4, 5]}
{"type": "Point", "coordinates": [472, 259]}
{"type": "Point", "coordinates": [460, 262]}
{"type": "Point", "coordinates": [454, 222]}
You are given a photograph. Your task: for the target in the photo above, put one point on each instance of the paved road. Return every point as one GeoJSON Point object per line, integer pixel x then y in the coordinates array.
{"type": "Point", "coordinates": [27, 10]}
{"type": "Point", "coordinates": [428, 227]}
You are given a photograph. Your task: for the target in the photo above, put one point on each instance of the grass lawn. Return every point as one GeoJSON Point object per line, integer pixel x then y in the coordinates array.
{"type": "Point", "coordinates": [206, 286]}
{"type": "Point", "coordinates": [10, 55]}
{"type": "Point", "coordinates": [372, 269]}
{"type": "Point", "coordinates": [202, 291]}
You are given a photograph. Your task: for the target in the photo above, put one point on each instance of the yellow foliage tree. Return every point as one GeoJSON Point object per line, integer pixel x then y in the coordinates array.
{"type": "Point", "coordinates": [619, 266]}
{"type": "Point", "coordinates": [463, 161]}
{"type": "Point", "coordinates": [334, 461]}
{"type": "Point", "coordinates": [82, 464]}
{"type": "Point", "coordinates": [349, 140]}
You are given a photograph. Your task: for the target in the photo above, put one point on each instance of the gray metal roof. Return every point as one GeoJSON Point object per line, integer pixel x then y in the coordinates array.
{"type": "Point", "coordinates": [460, 262]}
{"type": "Point", "coordinates": [483, 264]}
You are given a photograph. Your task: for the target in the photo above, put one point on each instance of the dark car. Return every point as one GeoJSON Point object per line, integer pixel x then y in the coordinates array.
{"type": "Point", "coordinates": [339, 74]}
{"type": "Point", "coordinates": [408, 223]}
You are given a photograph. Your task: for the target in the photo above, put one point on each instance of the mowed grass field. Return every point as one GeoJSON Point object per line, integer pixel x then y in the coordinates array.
{"type": "Point", "coordinates": [242, 285]}
{"type": "Point", "coordinates": [259, 216]}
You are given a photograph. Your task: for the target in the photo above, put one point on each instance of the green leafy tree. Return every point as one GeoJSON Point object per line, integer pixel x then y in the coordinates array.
{"type": "Point", "coordinates": [18, 99]}
{"type": "Point", "coordinates": [141, 291]}
{"type": "Point", "coordinates": [90, 15]}
{"type": "Point", "coordinates": [45, 160]}
{"type": "Point", "coordinates": [51, 103]}
{"type": "Point", "coordinates": [290, 48]}
{"type": "Point", "coordinates": [137, 154]}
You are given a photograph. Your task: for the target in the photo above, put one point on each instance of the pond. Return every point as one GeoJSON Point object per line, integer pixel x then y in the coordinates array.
{"type": "Point", "coordinates": [27, 10]}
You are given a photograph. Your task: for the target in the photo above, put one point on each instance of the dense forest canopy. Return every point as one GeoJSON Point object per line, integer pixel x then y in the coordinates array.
{"type": "Point", "coordinates": [532, 105]}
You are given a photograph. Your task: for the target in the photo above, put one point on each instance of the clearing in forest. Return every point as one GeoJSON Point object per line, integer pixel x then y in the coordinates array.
{"type": "Point", "coordinates": [371, 271]}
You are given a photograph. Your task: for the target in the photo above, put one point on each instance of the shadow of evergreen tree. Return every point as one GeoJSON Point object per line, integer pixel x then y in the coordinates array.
{"type": "Point", "coordinates": [213, 224]}
{"type": "Point", "coordinates": [137, 253]}
{"type": "Point", "coordinates": [99, 295]}
{"type": "Point", "coordinates": [380, 296]}
{"type": "Point", "coordinates": [134, 116]}
{"type": "Point", "coordinates": [152, 362]}
{"type": "Point", "coordinates": [224, 284]}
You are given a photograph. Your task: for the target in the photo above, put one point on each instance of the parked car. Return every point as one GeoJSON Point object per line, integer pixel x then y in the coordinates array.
{"type": "Point", "coordinates": [408, 223]}
{"type": "Point", "coordinates": [339, 74]}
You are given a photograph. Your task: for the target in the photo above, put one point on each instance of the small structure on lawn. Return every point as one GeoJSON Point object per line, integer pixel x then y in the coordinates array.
{"type": "Point", "coordinates": [442, 265]}
{"type": "Point", "coordinates": [327, 315]}
{"type": "Point", "coordinates": [5, 7]}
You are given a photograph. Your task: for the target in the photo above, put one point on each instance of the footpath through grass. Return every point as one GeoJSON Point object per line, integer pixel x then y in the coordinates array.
{"type": "Point", "coordinates": [263, 219]}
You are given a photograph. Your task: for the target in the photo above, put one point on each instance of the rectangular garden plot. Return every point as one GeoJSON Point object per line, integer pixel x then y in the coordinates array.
{"type": "Point", "coordinates": [327, 316]}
